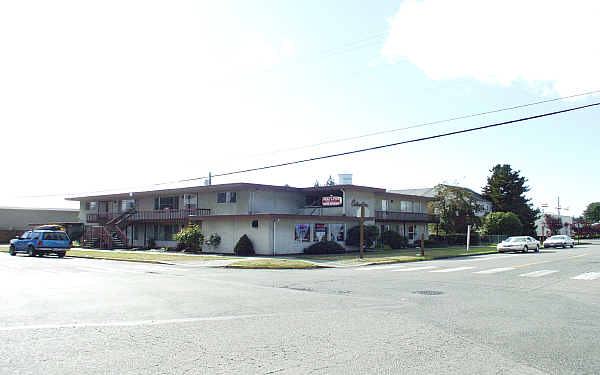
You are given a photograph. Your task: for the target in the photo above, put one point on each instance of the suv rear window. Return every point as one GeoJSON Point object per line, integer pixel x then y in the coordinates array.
{"type": "Point", "coordinates": [55, 236]}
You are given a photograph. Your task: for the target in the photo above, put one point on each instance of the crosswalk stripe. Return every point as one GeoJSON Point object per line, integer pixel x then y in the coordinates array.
{"type": "Point", "coordinates": [453, 269]}
{"type": "Point", "coordinates": [495, 270]}
{"type": "Point", "coordinates": [377, 268]}
{"type": "Point", "coordinates": [538, 273]}
{"type": "Point", "coordinates": [414, 269]}
{"type": "Point", "coordinates": [587, 276]}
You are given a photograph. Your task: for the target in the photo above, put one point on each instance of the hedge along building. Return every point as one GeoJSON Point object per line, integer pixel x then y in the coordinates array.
{"type": "Point", "coordinates": [277, 219]}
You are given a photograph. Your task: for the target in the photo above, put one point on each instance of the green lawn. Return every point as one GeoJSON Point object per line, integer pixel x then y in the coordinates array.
{"type": "Point", "coordinates": [272, 263]}
{"type": "Point", "coordinates": [404, 255]}
{"type": "Point", "coordinates": [144, 257]}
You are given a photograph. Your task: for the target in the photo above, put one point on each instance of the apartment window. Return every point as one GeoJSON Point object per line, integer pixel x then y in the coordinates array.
{"type": "Point", "coordinates": [320, 232]}
{"type": "Point", "coordinates": [302, 232]}
{"type": "Point", "coordinates": [227, 197]}
{"type": "Point", "coordinates": [384, 205]}
{"type": "Point", "coordinates": [91, 205]}
{"type": "Point", "coordinates": [337, 232]}
{"type": "Point", "coordinates": [190, 201]}
{"type": "Point", "coordinates": [127, 204]}
{"type": "Point", "coordinates": [405, 206]}
{"type": "Point", "coordinates": [411, 232]}
{"type": "Point", "coordinates": [162, 203]}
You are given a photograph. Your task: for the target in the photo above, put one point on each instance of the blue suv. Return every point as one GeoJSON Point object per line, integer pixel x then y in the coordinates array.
{"type": "Point", "coordinates": [41, 242]}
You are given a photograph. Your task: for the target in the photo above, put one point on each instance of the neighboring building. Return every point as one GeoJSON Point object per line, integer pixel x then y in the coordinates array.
{"type": "Point", "coordinates": [15, 220]}
{"type": "Point", "coordinates": [278, 219]}
{"type": "Point", "coordinates": [483, 206]}
{"type": "Point", "coordinates": [542, 230]}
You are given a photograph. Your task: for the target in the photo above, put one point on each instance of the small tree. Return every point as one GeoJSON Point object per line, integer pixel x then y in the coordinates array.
{"type": "Point", "coordinates": [553, 224]}
{"type": "Point", "coordinates": [506, 223]}
{"type": "Point", "coordinates": [353, 238]}
{"type": "Point", "coordinates": [592, 213]}
{"type": "Point", "coordinates": [330, 181]}
{"type": "Point", "coordinates": [191, 237]}
{"type": "Point", "coordinates": [244, 246]}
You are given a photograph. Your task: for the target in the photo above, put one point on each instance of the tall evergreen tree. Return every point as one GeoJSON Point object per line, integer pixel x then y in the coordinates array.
{"type": "Point", "coordinates": [506, 190]}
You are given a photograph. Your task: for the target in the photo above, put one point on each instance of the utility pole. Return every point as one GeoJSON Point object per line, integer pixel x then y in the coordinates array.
{"type": "Point", "coordinates": [362, 206]}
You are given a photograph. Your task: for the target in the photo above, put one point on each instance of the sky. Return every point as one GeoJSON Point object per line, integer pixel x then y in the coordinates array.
{"type": "Point", "coordinates": [134, 95]}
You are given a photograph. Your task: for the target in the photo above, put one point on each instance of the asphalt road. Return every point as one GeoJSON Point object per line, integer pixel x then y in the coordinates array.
{"type": "Point", "coordinates": [495, 314]}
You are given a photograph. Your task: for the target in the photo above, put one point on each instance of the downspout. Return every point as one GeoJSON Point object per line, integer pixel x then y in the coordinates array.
{"type": "Point", "coordinates": [343, 202]}
{"type": "Point", "coordinates": [274, 234]}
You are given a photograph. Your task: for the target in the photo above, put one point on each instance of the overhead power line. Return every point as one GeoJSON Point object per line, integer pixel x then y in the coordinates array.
{"type": "Point", "coordinates": [430, 123]}
{"type": "Point", "coordinates": [402, 142]}
{"type": "Point", "coordinates": [354, 151]}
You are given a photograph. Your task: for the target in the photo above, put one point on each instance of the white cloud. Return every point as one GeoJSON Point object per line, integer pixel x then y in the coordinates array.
{"type": "Point", "coordinates": [540, 42]}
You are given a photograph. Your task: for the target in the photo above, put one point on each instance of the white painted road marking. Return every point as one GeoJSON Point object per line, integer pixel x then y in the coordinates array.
{"type": "Point", "coordinates": [538, 273]}
{"type": "Point", "coordinates": [587, 276]}
{"type": "Point", "coordinates": [414, 269]}
{"type": "Point", "coordinates": [453, 269]}
{"type": "Point", "coordinates": [495, 270]}
{"type": "Point", "coordinates": [376, 268]}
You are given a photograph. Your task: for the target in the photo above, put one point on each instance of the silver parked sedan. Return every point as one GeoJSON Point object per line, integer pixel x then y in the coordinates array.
{"type": "Point", "coordinates": [520, 243]}
{"type": "Point", "coordinates": [559, 241]}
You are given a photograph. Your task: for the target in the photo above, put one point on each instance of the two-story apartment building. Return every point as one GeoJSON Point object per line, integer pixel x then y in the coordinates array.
{"type": "Point", "coordinates": [277, 219]}
{"type": "Point", "coordinates": [482, 205]}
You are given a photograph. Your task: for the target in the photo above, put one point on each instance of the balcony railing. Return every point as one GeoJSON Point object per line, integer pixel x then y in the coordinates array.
{"type": "Point", "coordinates": [406, 216]}
{"type": "Point", "coordinates": [151, 215]}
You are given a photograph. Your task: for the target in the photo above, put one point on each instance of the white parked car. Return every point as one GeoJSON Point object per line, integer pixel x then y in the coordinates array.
{"type": "Point", "coordinates": [519, 243]}
{"type": "Point", "coordinates": [559, 241]}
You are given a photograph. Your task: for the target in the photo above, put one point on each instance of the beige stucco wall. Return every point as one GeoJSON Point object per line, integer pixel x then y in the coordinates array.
{"type": "Point", "coordinates": [19, 219]}
{"type": "Point", "coordinates": [269, 201]}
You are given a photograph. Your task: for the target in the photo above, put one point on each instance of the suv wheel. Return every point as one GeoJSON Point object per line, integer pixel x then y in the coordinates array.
{"type": "Point", "coordinates": [525, 249]}
{"type": "Point", "coordinates": [61, 254]}
{"type": "Point", "coordinates": [572, 245]}
{"type": "Point", "coordinates": [12, 251]}
{"type": "Point", "coordinates": [537, 248]}
{"type": "Point", "coordinates": [31, 251]}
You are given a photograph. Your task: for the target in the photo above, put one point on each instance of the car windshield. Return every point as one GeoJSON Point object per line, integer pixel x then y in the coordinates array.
{"type": "Point", "coordinates": [514, 239]}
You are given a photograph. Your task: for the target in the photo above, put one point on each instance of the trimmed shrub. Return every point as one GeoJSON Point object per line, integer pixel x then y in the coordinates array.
{"type": "Point", "coordinates": [394, 240]}
{"type": "Point", "coordinates": [353, 238]}
{"type": "Point", "coordinates": [214, 240]}
{"type": "Point", "coordinates": [191, 237]}
{"type": "Point", "coordinates": [325, 247]}
{"type": "Point", "coordinates": [244, 246]}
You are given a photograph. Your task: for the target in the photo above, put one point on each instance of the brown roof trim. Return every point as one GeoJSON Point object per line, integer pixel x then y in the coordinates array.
{"type": "Point", "coordinates": [280, 216]}
{"type": "Point", "coordinates": [406, 196]}
{"type": "Point", "coordinates": [191, 189]}
{"type": "Point", "coordinates": [222, 187]}
{"type": "Point", "coordinates": [347, 187]}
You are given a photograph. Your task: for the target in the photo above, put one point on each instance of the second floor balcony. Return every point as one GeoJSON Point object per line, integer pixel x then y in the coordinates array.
{"type": "Point", "coordinates": [406, 216]}
{"type": "Point", "coordinates": [150, 215]}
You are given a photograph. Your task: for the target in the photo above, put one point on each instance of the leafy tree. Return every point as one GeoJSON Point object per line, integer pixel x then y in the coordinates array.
{"type": "Point", "coordinates": [317, 184]}
{"type": "Point", "coordinates": [330, 181]}
{"type": "Point", "coordinates": [553, 224]}
{"type": "Point", "coordinates": [456, 208]}
{"type": "Point", "coordinates": [506, 223]}
{"type": "Point", "coordinates": [506, 189]}
{"type": "Point", "coordinates": [592, 213]}
{"type": "Point", "coordinates": [353, 238]}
